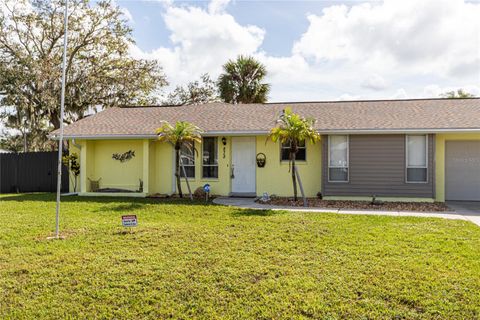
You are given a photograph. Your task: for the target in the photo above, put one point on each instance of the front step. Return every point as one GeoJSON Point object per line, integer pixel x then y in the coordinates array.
{"type": "Point", "coordinates": [242, 194]}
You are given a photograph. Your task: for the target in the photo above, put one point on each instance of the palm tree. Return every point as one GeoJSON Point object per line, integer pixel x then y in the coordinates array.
{"type": "Point", "coordinates": [182, 134]}
{"type": "Point", "coordinates": [241, 81]}
{"type": "Point", "coordinates": [292, 129]}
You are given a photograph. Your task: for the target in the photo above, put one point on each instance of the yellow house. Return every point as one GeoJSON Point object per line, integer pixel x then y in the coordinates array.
{"type": "Point", "coordinates": [407, 150]}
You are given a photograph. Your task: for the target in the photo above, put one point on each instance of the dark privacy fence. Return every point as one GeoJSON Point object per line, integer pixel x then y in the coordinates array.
{"type": "Point", "coordinates": [30, 172]}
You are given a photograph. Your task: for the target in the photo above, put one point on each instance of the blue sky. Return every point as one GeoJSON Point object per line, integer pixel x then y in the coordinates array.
{"type": "Point", "coordinates": [284, 21]}
{"type": "Point", "coordinates": [318, 50]}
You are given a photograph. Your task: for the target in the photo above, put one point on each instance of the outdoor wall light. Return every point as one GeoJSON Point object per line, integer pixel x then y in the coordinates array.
{"type": "Point", "coordinates": [224, 141]}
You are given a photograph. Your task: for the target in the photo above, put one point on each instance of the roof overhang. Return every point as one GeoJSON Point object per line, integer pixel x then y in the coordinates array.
{"type": "Point", "coordinates": [264, 132]}
{"type": "Point", "coordinates": [154, 136]}
{"type": "Point", "coordinates": [400, 131]}
{"type": "Point", "coordinates": [106, 137]}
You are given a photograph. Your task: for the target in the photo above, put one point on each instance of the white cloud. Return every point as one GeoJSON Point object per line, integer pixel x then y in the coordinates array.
{"type": "Point", "coordinates": [428, 36]}
{"type": "Point", "coordinates": [127, 14]}
{"type": "Point", "coordinates": [347, 51]}
{"type": "Point", "coordinates": [375, 82]}
{"type": "Point", "coordinates": [399, 94]}
{"type": "Point", "coordinates": [349, 97]}
{"type": "Point", "coordinates": [202, 41]}
{"type": "Point", "coordinates": [217, 6]}
{"type": "Point", "coordinates": [353, 50]}
{"type": "Point", "coordinates": [165, 2]}
{"type": "Point", "coordinates": [433, 90]}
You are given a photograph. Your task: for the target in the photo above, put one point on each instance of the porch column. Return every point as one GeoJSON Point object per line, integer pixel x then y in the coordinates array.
{"type": "Point", "coordinates": [83, 166]}
{"type": "Point", "coordinates": [146, 165]}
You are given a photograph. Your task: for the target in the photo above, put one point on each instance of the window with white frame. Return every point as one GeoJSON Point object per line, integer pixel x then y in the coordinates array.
{"type": "Point", "coordinates": [209, 157]}
{"type": "Point", "coordinates": [338, 158]}
{"type": "Point", "coordinates": [187, 154]}
{"type": "Point", "coordinates": [301, 151]}
{"type": "Point", "coordinates": [417, 159]}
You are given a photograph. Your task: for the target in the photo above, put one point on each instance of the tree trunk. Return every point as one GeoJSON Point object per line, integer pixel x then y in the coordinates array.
{"type": "Point", "coordinates": [293, 153]}
{"type": "Point", "coordinates": [177, 171]}
{"type": "Point", "coordinates": [55, 120]}
{"type": "Point", "coordinates": [305, 204]}
{"type": "Point", "coordinates": [75, 184]}
{"type": "Point", "coordinates": [294, 181]}
{"type": "Point", "coordinates": [25, 148]}
{"type": "Point", "coordinates": [186, 178]}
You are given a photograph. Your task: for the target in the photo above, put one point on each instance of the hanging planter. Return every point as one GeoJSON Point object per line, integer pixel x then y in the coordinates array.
{"type": "Point", "coordinates": [261, 160]}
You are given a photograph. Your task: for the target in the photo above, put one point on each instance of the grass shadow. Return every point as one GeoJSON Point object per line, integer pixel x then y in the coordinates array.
{"type": "Point", "coordinates": [124, 232]}
{"type": "Point", "coordinates": [21, 197]}
{"type": "Point", "coordinates": [50, 197]}
{"type": "Point", "coordinates": [238, 212]}
{"type": "Point", "coordinates": [122, 207]}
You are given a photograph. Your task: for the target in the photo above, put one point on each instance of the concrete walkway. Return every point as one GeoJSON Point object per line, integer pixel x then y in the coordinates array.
{"type": "Point", "coordinates": [461, 211]}
{"type": "Point", "coordinates": [469, 209]}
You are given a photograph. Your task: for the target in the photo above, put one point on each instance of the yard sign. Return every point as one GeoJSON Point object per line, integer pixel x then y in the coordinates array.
{"type": "Point", "coordinates": [129, 221]}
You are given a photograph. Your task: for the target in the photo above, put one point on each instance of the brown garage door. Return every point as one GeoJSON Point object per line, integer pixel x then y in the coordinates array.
{"type": "Point", "coordinates": [462, 170]}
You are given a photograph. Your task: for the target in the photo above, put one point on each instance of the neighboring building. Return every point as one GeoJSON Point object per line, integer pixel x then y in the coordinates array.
{"type": "Point", "coordinates": [415, 150]}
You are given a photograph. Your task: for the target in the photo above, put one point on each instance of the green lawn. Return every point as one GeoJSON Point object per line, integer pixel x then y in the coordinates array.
{"type": "Point", "coordinates": [205, 261]}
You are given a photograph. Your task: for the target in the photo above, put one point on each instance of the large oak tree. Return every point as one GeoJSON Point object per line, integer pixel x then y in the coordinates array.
{"type": "Point", "coordinates": [100, 70]}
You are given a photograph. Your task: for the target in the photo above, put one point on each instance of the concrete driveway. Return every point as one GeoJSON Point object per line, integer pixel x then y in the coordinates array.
{"type": "Point", "coordinates": [468, 209]}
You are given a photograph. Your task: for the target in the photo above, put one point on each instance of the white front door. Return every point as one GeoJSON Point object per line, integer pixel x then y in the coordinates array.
{"type": "Point", "coordinates": [243, 165]}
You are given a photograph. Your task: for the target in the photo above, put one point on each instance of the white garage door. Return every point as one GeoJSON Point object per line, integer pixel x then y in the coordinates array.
{"type": "Point", "coordinates": [462, 170]}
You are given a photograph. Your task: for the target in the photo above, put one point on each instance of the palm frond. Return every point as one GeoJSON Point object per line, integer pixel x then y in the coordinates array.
{"type": "Point", "coordinates": [183, 131]}
{"type": "Point", "coordinates": [293, 128]}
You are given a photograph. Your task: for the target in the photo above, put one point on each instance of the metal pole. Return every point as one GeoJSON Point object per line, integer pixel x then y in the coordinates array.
{"type": "Point", "coordinates": [62, 108]}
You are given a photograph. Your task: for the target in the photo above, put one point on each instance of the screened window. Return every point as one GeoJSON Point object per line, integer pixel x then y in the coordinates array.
{"type": "Point", "coordinates": [338, 158]}
{"type": "Point", "coordinates": [416, 154]}
{"type": "Point", "coordinates": [301, 153]}
{"type": "Point", "coordinates": [210, 157]}
{"type": "Point", "coordinates": [187, 154]}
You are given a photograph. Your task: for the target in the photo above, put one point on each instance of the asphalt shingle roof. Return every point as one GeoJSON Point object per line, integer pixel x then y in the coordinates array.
{"type": "Point", "coordinates": [421, 114]}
